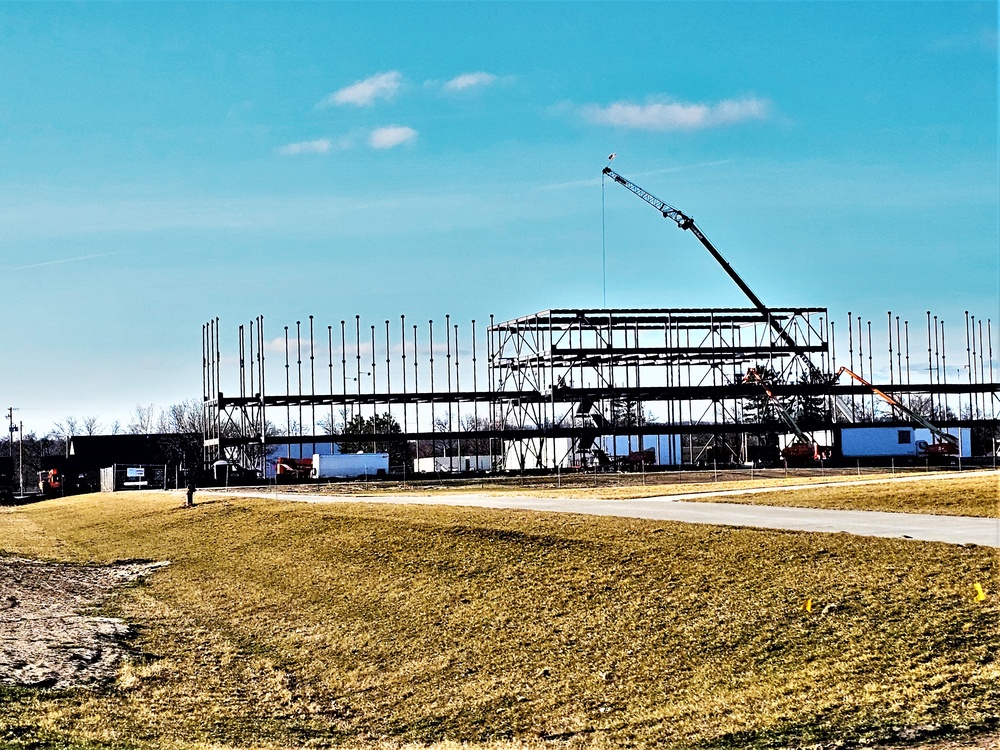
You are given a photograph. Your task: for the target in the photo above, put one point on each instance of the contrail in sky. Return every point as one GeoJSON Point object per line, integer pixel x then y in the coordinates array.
{"type": "Point", "coordinates": [60, 260]}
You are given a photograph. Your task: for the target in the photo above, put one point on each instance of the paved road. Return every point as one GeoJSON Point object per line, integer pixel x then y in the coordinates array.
{"type": "Point", "coordinates": [950, 529]}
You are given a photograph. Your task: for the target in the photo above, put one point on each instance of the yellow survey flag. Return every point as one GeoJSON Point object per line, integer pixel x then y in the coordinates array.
{"type": "Point", "coordinates": [807, 605]}
{"type": "Point", "coordinates": [980, 594]}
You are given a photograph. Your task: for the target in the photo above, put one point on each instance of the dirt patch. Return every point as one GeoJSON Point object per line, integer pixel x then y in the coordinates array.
{"type": "Point", "coordinates": [47, 638]}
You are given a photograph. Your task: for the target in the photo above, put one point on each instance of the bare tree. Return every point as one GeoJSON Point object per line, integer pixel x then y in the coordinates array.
{"type": "Point", "coordinates": [142, 420]}
{"type": "Point", "coordinates": [91, 426]}
{"type": "Point", "coordinates": [188, 417]}
{"type": "Point", "coordinates": [66, 428]}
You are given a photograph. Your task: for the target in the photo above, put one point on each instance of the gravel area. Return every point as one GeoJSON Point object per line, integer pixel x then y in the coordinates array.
{"type": "Point", "coordinates": [47, 637]}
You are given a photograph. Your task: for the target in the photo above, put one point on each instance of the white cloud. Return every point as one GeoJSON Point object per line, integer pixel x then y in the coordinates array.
{"type": "Point", "coordinates": [984, 39]}
{"type": "Point", "coordinates": [391, 136]}
{"type": "Point", "coordinates": [671, 115]}
{"type": "Point", "coordinates": [366, 92]}
{"type": "Point", "coordinates": [470, 80]}
{"type": "Point", "coordinates": [320, 146]}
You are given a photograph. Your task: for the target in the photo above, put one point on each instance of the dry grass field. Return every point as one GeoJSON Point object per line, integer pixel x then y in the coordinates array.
{"type": "Point", "coordinates": [291, 625]}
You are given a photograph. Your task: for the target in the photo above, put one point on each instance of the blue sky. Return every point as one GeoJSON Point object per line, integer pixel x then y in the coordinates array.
{"type": "Point", "coordinates": [163, 164]}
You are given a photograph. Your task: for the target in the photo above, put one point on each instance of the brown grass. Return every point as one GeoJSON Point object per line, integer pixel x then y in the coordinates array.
{"type": "Point", "coordinates": [974, 495]}
{"type": "Point", "coordinates": [286, 625]}
{"type": "Point", "coordinates": [968, 494]}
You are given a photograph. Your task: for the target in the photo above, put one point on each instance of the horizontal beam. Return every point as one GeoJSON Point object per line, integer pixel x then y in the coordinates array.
{"type": "Point", "coordinates": [718, 428]}
{"type": "Point", "coordinates": [573, 395]}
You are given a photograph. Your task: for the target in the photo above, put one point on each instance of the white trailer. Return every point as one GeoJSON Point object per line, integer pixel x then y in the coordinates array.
{"type": "Point", "coordinates": [452, 464]}
{"type": "Point", "coordinates": [349, 465]}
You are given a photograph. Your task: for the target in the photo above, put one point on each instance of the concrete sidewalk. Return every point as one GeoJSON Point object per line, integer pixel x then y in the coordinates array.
{"type": "Point", "coordinates": [950, 529]}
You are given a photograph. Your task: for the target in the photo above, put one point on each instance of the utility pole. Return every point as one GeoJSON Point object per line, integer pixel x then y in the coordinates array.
{"type": "Point", "coordinates": [20, 455]}
{"type": "Point", "coordinates": [10, 431]}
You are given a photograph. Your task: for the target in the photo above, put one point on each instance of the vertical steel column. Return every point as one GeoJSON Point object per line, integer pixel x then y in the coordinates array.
{"type": "Point", "coordinates": [288, 401]}
{"type": "Point", "coordinates": [447, 371]}
{"type": "Point", "coordinates": [490, 351]}
{"type": "Point", "coordinates": [343, 370]}
{"type": "Point", "coordinates": [973, 372]}
{"type": "Point", "coordinates": [930, 362]}
{"type": "Point", "coordinates": [458, 403]}
{"type": "Point", "coordinates": [402, 367]}
{"type": "Point", "coordinates": [260, 381]}
{"type": "Point", "coordinates": [944, 369]}
{"type": "Point", "coordinates": [861, 361]}
{"type": "Point", "coordinates": [899, 353]}
{"type": "Point", "coordinates": [374, 391]}
{"type": "Point", "coordinates": [430, 338]}
{"type": "Point", "coordinates": [298, 350]}
{"type": "Point", "coordinates": [937, 364]}
{"type": "Point", "coordinates": [312, 386]}
{"type": "Point", "coordinates": [871, 371]}
{"type": "Point", "coordinates": [252, 362]}
{"type": "Point", "coordinates": [892, 380]}
{"type": "Point", "coordinates": [982, 369]}
{"type": "Point", "coordinates": [218, 359]}
{"type": "Point", "coordinates": [242, 370]}
{"type": "Point", "coordinates": [475, 391]}
{"type": "Point", "coordinates": [416, 390]}
{"type": "Point", "coordinates": [989, 339]}
{"type": "Point", "coordinates": [906, 342]}
{"type": "Point", "coordinates": [357, 344]}
{"type": "Point", "coordinates": [416, 387]}
{"type": "Point", "coordinates": [329, 344]}
{"type": "Point", "coordinates": [388, 374]}
{"type": "Point", "coordinates": [204, 363]}
{"type": "Point", "coordinates": [969, 360]}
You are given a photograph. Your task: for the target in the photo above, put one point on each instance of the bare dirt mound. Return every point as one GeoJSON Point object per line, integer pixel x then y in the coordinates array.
{"type": "Point", "coordinates": [47, 639]}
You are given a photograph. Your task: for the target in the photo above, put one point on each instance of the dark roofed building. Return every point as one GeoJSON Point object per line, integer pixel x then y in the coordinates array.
{"type": "Point", "coordinates": [90, 452]}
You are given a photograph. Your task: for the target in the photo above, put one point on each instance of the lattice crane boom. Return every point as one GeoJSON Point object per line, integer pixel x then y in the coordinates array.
{"type": "Point", "coordinates": [686, 222]}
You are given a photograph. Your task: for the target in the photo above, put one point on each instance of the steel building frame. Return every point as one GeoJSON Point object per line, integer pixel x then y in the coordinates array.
{"type": "Point", "coordinates": [572, 378]}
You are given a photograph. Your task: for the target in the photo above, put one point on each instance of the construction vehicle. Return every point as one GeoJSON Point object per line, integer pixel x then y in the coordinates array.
{"type": "Point", "coordinates": [946, 445]}
{"type": "Point", "coordinates": [292, 469]}
{"type": "Point", "coordinates": [50, 483]}
{"type": "Point", "coordinates": [639, 460]}
{"type": "Point", "coordinates": [804, 448]}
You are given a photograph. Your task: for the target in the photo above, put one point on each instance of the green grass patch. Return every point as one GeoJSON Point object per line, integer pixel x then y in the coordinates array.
{"type": "Point", "coordinates": [288, 625]}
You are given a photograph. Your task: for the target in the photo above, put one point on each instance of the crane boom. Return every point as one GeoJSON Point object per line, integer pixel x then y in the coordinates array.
{"type": "Point", "coordinates": [686, 222]}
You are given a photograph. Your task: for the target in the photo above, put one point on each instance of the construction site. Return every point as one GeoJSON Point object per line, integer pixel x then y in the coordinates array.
{"type": "Point", "coordinates": [599, 389]}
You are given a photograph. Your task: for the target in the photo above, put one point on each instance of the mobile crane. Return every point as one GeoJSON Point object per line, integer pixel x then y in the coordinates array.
{"type": "Point", "coordinates": [947, 445]}
{"type": "Point", "coordinates": [686, 222]}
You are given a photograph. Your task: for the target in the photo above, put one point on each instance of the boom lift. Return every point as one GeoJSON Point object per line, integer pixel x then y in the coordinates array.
{"type": "Point", "coordinates": [947, 444]}
{"type": "Point", "coordinates": [804, 447]}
